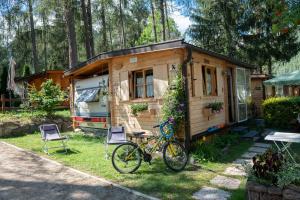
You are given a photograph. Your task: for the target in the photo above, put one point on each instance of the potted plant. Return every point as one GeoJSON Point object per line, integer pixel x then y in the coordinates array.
{"type": "Point", "coordinates": [213, 108]}
{"type": "Point", "coordinates": [138, 107]}
{"type": "Point", "coordinates": [273, 177]}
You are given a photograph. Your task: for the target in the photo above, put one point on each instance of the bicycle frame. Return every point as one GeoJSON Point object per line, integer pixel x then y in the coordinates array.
{"type": "Point", "coordinates": [163, 137]}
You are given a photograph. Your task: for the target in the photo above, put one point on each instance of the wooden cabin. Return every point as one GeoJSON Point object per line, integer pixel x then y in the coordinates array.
{"type": "Point", "coordinates": [37, 79]}
{"type": "Point", "coordinates": [142, 75]}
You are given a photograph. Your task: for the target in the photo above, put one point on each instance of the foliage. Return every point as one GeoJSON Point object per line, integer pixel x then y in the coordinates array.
{"type": "Point", "coordinates": [147, 34]}
{"type": "Point", "coordinates": [272, 168]}
{"type": "Point", "coordinates": [47, 98]}
{"type": "Point", "coordinates": [174, 101]}
{"type": "Point", "coordinates": [287, 15]}
{"type": "Point", "coordinates": [27, 116]}
{"type": "Point", "coordinates": [213, 150]}
{"type": "Point", "coordinates": [26, 70]}
{"type": "Point", "coordinates": [266, 166]}
{"type": "Point", "coordinates": [245, 31]}
{"type": "Point", "coordinates": [215, 106]}
{"type": "Point", "coordinates": [279, 112]}
{"type": "Point", "coordinates": [138, 107]}
{"type": "Point", "coordinates": [288, 174]}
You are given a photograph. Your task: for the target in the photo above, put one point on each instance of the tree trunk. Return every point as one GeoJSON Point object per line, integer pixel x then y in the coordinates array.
{"type": "Point", "coordinates": [90, 24]}
{"type": "Point", "coordinates": [162, 17]}
{"type": "Point", "coordinates": [122, 24]}
{"type": "Point", "coordinates": [86, 29]}
{"type": "Point", "coordinates": [167, 19]}
{"type": "Point", "coordinates": [270, 66]}
{"type": "Point", "coordinates": [153, 21]}
{"type": "Point", "coordinates": [45, 40]}
{"type": "Point", "coordinates": [71, 34]}
{"type": "Point", "coordinates": [103, 22]}
{"type": "Point", "coordinates": [110, 35]}
{"type": "Point", "coordinates": [33, 40]}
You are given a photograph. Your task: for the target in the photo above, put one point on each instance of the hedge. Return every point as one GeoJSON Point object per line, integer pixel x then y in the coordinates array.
{"type": "Point", "coordinates": [279, 112]}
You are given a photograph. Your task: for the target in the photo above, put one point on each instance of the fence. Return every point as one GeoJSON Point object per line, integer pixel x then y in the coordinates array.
{"type": "Point", "coordinates": [4, 101]}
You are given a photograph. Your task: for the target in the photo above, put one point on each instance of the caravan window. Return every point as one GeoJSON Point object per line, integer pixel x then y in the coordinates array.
{"type": "Point", "coordinates": [143, 84]}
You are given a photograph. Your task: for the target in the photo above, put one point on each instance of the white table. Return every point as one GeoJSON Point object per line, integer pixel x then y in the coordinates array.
{"type": "Point", "coordinates": [285, 139]}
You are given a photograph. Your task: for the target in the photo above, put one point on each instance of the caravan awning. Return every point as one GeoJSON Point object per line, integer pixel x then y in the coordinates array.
{"type": "Point", "coordinates": [292, 78]}
{"type": "Point", "coordinates": [88, 95]}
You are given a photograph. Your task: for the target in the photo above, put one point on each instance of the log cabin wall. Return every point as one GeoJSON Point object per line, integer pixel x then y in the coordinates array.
{"type": "Point", "coordinates": [199, 123]}
{"type": "Point", "coordinates": [121, 69]}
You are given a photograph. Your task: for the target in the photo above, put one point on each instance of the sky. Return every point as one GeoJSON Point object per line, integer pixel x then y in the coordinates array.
{"type": "Point", "coordinates": [182, 22]}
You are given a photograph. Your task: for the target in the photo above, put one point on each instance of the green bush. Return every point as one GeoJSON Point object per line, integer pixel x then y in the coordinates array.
{"type": "Point", "coordinates": [138, 107]}
{"type": "Point", "coordinates": [289, 174]}
{"type": "Point", "coordinates": [174, 102]}
{"type": "Point", "coordinates": [280, 111]}
{"type": "Point", "coordinates": [213, 149]}
{"type": "Point", "coordinates": [47, 98]}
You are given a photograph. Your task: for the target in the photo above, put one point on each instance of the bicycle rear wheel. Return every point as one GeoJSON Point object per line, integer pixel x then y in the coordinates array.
{"type": "Point", "coordinates": [126, 158]}
{"type": "Point", "coordinates": [175, 156]}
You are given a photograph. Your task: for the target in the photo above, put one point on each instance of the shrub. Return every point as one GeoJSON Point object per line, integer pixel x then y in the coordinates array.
{"type": "Point", "coordinates": [174, 102]}
{"type": "Point", "coordinates": [289, 174]}
{"type": "Point", "coordinates": [280, 111]}
{"type": "Point", "coordinates": [213, 150]}
{"type": "Point", "coordinates": [138, 107]}
{"type": "Point", "coordinates": [266, 166]}
{"type": "Point", "coordinates": [47, 98]}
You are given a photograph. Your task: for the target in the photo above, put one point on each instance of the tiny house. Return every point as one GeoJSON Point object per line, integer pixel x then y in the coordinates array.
{"type": "Point", "coordinates": [143, 74]}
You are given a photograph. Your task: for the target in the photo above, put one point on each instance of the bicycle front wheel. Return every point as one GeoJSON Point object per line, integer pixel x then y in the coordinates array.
{"type": "Point", "coordinates": [126, 158]}
{"type": "Point", "coordinates": [175, 156]}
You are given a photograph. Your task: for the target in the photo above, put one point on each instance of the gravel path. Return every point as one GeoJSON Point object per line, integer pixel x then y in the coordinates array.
{"type": "Point", "coordinates": [26, 176]}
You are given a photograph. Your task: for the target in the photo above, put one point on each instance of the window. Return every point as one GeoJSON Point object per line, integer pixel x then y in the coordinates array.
{"type": "Point", "coordinates": [143, 84]}
{"type": "Point", "coordinates": [209, 77]}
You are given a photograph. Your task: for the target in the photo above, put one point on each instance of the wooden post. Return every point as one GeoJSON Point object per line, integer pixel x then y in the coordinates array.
{"type": "Point", "coordinates": [2, 102]}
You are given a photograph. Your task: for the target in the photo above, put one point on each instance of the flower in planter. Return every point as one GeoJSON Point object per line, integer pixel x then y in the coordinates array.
{"type": "Point", "coordinates": [216, 107]}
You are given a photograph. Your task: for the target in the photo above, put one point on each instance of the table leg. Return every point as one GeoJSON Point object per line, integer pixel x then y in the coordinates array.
{"type": "Point", "coordinates": [286, 148]}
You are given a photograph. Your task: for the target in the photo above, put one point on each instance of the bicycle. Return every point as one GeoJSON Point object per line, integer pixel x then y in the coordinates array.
{"type": "Point", "coordinates": [127, 157]}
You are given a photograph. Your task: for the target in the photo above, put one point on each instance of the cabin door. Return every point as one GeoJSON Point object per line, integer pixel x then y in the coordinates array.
{"type": "Point", "coordinates": [242, 93]}
{"type": "Point", "coordinates": [230, 100]}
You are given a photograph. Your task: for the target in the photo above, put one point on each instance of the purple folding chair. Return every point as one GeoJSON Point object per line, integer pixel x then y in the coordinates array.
{"type": "Point", "coordinates": [115, 135]}
{"type": "Point", "coordinates": [50, 132]}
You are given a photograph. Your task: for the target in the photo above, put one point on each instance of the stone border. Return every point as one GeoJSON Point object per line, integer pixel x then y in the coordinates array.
{"type": "Point", "coordinates": [86, 174]}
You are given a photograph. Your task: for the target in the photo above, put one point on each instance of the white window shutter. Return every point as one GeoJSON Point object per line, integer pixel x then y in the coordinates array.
{"type": "Point", "coordinates": [124, 86]}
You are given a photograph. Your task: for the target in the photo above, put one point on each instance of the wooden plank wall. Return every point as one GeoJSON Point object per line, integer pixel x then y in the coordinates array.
{"type": "Point", "coordinates": [120, 104]}
{"type": "Point", "coordinates": [198, 122]}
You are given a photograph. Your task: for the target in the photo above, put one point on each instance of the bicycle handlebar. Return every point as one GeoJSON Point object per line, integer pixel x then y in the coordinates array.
{"type": "Point", "coordinates": [170, 128]}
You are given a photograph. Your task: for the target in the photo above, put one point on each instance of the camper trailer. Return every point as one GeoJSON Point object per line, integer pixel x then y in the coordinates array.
{"type": "Point", "coordinates": [91, 103]}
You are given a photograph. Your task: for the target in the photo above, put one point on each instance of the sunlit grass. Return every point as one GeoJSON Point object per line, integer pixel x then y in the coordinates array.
{"type": "Point", "coordinates": [88, 154]}
{"type": "Point", "coordinates": [28, 116]}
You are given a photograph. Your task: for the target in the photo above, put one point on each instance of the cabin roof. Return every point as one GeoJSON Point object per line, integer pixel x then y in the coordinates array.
{"type": "Point", "coordinates": [166, 45]}
{"type": "Point", "coordinates": [38, 75]}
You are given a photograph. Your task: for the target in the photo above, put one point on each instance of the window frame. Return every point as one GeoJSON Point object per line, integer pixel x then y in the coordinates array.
{"type": "Point", "coordinates": [214, 80]}
{"type": "Point", "coordinates": [144, 85]}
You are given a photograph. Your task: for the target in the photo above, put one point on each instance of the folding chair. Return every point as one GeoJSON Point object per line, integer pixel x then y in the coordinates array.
{"type": "Point", "coordinates": [50, 132]}
{"type": "Point", "coordinates": [115, 135]}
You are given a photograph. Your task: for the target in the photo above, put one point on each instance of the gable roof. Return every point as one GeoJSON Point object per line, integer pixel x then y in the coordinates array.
{"type": "Point", "coordinates": [38, 75]}
{"type": "Point", "coordinates": [171, 44]}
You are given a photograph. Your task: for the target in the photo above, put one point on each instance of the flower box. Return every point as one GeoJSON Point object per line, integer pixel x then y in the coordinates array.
{"type": "Point", "coordinates": [257, 191]}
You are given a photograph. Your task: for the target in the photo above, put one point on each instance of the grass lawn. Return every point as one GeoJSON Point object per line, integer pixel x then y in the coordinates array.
{"type": "Point", "coordinates": [25, 116]}
{"type": "Point", "coordinates": [87, 154]}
